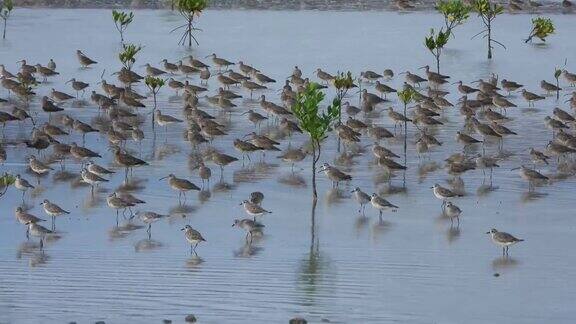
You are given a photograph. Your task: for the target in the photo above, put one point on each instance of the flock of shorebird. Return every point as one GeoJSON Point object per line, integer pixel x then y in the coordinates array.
{"type": "Point", "coordinates": [122, 110]}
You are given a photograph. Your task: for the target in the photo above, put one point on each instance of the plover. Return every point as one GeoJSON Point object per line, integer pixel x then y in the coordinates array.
{"type": "Point", "coordinates": [193, 237]}
{"type": "Point", "coordinates": [503, 239]}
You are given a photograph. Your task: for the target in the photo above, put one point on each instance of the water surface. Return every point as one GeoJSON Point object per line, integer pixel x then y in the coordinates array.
{"type": "Point", "coordinates": [412, 267]}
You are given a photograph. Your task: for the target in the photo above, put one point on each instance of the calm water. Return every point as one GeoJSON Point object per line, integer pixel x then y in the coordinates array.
{"type": "Point", "coordinates": [413, 267]}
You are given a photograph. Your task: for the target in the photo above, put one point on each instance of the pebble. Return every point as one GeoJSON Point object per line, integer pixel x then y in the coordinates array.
{"type": "Point", "coordinates": [496, 274]}
{"type": "Point", "coordinates": [298, 320]}
{"type": "Point", "coordinates": [190, 318]}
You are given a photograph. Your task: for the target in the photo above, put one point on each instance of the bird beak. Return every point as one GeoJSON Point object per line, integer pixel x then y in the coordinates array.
{"type": "Point", "coordinates": [422, 67]}
{"type": "Point", "coordinates": [487, 232]}
{"type": "Point", "coordinates": [163, 178]}
{"type": "Point", "coordinates": [182, 229]}
{"type": "Point", "coordinates": [68, 81]}
{"type": "Point", "coordinates": [233, 225]}
{"type": "Point", "coordinates": [207, 56]}
{"type": "Point", "coordinates": [515, 169]}
{"type": "Point", "coordinates": [454, 82]}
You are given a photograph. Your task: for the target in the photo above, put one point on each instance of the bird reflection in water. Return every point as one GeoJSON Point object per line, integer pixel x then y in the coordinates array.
{"type": "Point", "coordinates": [147, 244]}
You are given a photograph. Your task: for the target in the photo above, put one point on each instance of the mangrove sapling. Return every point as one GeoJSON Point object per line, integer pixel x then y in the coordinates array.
{"type": "Point", "coordinates": [315, 122]}
{"type": "Point", "coordinates": [154, 84]}
{"type": "Point", "coordinates": [435, 43]}
{"type": "Point", "coordinates": [188, 9]}
{"type": "Point", "coordinates": [6, 180]}
{"type": "Point", "coordinates": [488, 11]}
{"type": "Point", "coordinates": [121, 21]}
{"type": "Point", "coordinates": [5, 10]}
{"type": "Point", "coordinates": [455, 13]}
{"type": "Point", "coordinates": [541, 28]}
{"type": "Point", "coordinates": [128, 55]}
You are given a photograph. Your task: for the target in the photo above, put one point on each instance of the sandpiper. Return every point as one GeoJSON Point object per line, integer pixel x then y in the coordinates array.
{"type": "Point", "coordinates": [334, 174]}
{"type": "Point", "coordinates": [149, 217]}
{"type": "Point", "coordinates": [22, 185]}
{"type": "Point", "coordinates": [453, 211]}
{"type": "Point", "coordinates": [39, 231]}
{"type": "Point", "coordinates": [25, 218]}
{"type": "Point", "coordinates": [503, 239]}
{"type": "Point", "coordinates": [381, 204]}
{"type": "Point", "coordinates": [254, 209]}
{"type": "Point", "coordinates": [443, 194]}
{"type": "Point", "coordinates": [115, 202]}
{"type": "Point", "coordinates": [91, 179]}
{"type": "Point", "coordinates": [256, 197]}
{"type": "Point", "coordinates": [37, 166]}
{"type": "Point", "coordinates": [249, 225]}
{"type": "Point", "coordinates": [531, 176]}
{"type": "Point", "coordinates": [193, 237]}
{"type": "Point", "coordinates": [362, 198]}
{"type": "Point", "coordinates": [97, 169]}
{"type": "Point", "coordinates": [181, 185]}
{"type": "Point", "coordinates": [53, 210]}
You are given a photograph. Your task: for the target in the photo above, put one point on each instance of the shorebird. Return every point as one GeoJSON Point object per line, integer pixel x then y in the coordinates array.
{"type": "Point", "coordinates": [127, 161]}
{"type": "Point", "coordinates": [37, 166]}
{"type": "Point", "coordinates": [570, 77]}
{"type": "Point", "coordinates": [381, 204]}
{"type": "Point", "coordinates": [453, 211]}
{"type": "Point", "coordinates": [254, 209]}
{"type": "Point", "coordinates": [97, 169]}
{"type": "Point", "coordinates": [538, 157]}
{"type": "Point", "coordinates": [531, 97]}
{"type": "Point", "coordinates": [164, 120]}
{"type": "Point", "coordinates": [466, 139]}
{"type": "Point", "coordinates": [59, 95]}
{"type": "Point", "coordinates": [222, 160]}
{"type": "Point", "coordinates": [324, 76]}
{"type": "Point", "coordinates": [252, 86]}
{"type": "Point", "coordinates": [204, 172]}
{"type": "Point", "coordinates": [249, 225]}
{"type": "Point", "coordinates": [510, 86]}
{"type": "Point", "coordinates": [22, 185]}
{"type": "Point", "coordinates": [53, 210]}
{"type": "Point", "coordinates": [39, 231]}
{"type": "Point", "coordinates": [292, 156]}
{"type": "Point", "coordinates": [443, 194]}
{"type": "Point", "coordinates": [464, 89]}
{"type": "Point", "coordinates": [24, 218]}
{"type": "Point", "coordinates": [549, 87]}
{"type": "Point", "coordinates": [84, 60]}
{"type": "Point", "coordinates": [149, 217]}
{"type": "Point", "coordinates": [503, 239]}
{"type": "Point", "coordinates": [91, 179]}
{"type": "Point", "coordinates": [256, 197]}
{"type": "Point", "coordinates": [170, 67]}
{"type": "Point", "coordinates": [45, 72]}
{"type": "Point", "coordinates": [193, 237]}
{"type": "Point", "coordinates": [334, 174]}
{"type": "Point", "coordinates": [152, 71]}
{"type": "Point", "coordinates": [219, 62]}
{"type": "Point", "coordinates": [531, 176]}
{"type": "Point", "coordinates": [82, 153]}
{"type": "Point", "coordinates": [370, 75]}
{"type": "Point", "coordinates": [115, 202]}
{"type": "Point", "coordinates": [362, 198]}
{"type": "Point", "coordinates": [181, 185]}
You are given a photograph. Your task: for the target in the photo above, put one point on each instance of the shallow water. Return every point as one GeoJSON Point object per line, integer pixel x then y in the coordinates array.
{"type": "Point", "coordinates": [339, 266]}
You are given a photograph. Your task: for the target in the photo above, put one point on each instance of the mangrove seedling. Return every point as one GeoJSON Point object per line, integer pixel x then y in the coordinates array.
{"type": "Point", "coordinates": [6, 180]}
{"type": "Point", "coordinates": [455, 13]}
{"type": "Point", "coordinates": [488, 11]}
{"type": "Point", "coordinates": [5, 10]}
{"type": "Point", "coordinates": [128, 55]}
{"type": "Point", "coordinates": [154, 84]}
{"type": "Point", "coordinates": [188, 9]}
{"type": "Point", "coordinates": [315, 122]}
{"type": "Point", "coordinates": [343, 82]}
{"type": "Point", "coordinates": [541, 28]}
{"type": "Point", "coordinates": [121, 21]}
{"type": "Point", "coordinates": [435, 43]}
